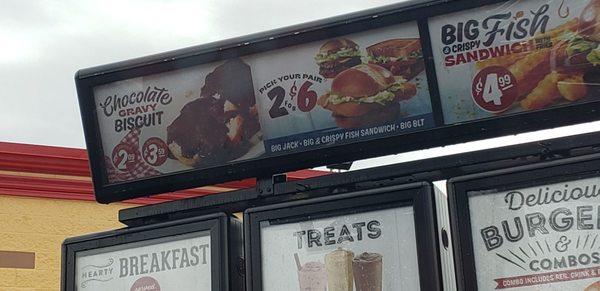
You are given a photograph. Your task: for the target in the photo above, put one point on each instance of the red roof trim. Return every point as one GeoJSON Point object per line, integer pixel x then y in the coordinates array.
{"type": "Point", "coordinates": [38, 159]}
{"type": "Point", "coordinates": [42, 150]}
{"type": "Point", "coordinates": [75, 189]}
{"type": "Point", "coordinates": [43, 159]}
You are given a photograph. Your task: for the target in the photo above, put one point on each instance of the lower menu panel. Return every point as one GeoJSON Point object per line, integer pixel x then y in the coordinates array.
{"type": "Point", "coordinates": [172, 263]}
{"type": "Point", "coordinates": [538, 238]}
{"type": "Point", "coordinates": [369, 251]}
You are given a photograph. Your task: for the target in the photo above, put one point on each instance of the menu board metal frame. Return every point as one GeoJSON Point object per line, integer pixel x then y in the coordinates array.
{"type": "Point", "coordinates": [225, 238]}
{"type": "Point", "coordinates": [441, 134]}
{"type": "Point", "coordinates": [500, 180]}
{"type": "Point", "coordinates": [418, 195]}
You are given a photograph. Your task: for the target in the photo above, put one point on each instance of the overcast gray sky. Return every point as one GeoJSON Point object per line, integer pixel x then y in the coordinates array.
{"type": "Point", "coordinates": [43, 43]}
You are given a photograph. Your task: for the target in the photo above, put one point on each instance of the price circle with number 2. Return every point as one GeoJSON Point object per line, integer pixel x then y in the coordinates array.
{"type": "Point", "coordinates": [495, 89]}
{"type": "Point", "coordinates": [124, 157]}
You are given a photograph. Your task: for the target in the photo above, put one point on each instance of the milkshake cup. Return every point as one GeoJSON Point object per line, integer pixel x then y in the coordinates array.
{"type": "Point", "coordinates": [312, 277]}
{"type": "Point", "coordinates": [339, 270]}
{"type": "Point", "coordinates": [367, 269]}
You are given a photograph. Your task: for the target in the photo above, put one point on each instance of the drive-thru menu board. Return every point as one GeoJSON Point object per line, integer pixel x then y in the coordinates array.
{"type": "Point", "coordinates": [416, 75]}
{"type": "Point", "coordinates": [173, 263]}
{"type": "Point", "coordinates": [516, 56]}
{"type": "Point", "coordinates": [528, 228]}
{"type": "Point", "coordinates": [378, 240]}
{"type": "Point", "coordinates": [370, 251]}
{"type": "Point", "coordinates": [203, 253]}
{"type": "Point", "coordinates": [337, 91]}
{"type": "Point", "coordinates": [545, 237]}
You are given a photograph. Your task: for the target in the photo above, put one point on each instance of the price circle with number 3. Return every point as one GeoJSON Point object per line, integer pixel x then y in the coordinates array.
{"type": "Point", "coordinates": [124, 157]}
{"type": "Point", "coordinates": [155, 151]}
{"type": "Point", "coordinates": [495, 89]}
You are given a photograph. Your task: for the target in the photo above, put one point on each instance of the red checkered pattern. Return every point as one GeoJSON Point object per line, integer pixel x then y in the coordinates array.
{"type": "Point", "coordinates": [140, 170]}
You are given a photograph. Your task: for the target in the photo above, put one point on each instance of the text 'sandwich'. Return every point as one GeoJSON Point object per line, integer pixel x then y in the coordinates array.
{"type": "Point", "coordinates": [337, 55]}
{"type": "Point", "coordinates": [402, 57]}
{"type": "Point", "coordinates": [366, 95]}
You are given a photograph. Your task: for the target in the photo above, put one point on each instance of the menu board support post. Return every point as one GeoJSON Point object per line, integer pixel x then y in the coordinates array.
{"type": "Point", "coordinates": [266, 185]}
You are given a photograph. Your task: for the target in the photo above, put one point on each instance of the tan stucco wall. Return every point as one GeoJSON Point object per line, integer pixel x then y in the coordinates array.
{"type": "Point", "coordinates": [40, 225]}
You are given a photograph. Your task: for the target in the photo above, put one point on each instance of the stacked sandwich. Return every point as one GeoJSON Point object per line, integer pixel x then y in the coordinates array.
{"type": "Point", "coordinates": [369, 94]}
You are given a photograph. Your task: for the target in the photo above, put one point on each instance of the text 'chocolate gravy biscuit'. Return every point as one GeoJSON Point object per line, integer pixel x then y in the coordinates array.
{"type": "Point", "coordinates": [222, 124]}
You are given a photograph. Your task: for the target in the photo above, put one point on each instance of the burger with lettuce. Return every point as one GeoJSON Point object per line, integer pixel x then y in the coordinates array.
{"type": "Point", "coordinates": [337, 55]}
{"type": "Point", "coordinates": [579, 49]}
{"type": "Point", "coordinates": [577, 52]}
{"type": "Point", "coordinates": [366, 95]}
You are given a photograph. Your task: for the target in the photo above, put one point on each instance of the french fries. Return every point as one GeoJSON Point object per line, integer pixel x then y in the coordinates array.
{"type": "Point", "coordinates": [504, 61]}
{"type": "Point", "coordinates": [545, 93]}
{"type": "Point", "coordinates": [531, 70]}
{"type": "Point", "coordinates": [554, 86]}
{"type": "Point", "coordinates": [541, 75]}
{"type": "Point", "coordinates": [573, 88]}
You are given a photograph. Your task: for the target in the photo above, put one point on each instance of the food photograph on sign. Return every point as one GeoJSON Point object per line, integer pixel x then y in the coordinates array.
{"type": "Point", "coordinates": [516, 56]}
{"type": "Point", "coordinates": [538, 238]}
{"type": "Point", "coordinates": [350, 88]}
{"type": "Point", "coordinates": [370, 251]}
{"type": "Point", "coordinates": [191, 118]}
{"type": "Point", "coordinates": [347, 89]}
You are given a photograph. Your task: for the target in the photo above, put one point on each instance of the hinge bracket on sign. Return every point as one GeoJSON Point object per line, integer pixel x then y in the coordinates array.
{"type": "Point", "coordinates": [266, 185]}
{"type": "Point", "coordinates": [546, 154]}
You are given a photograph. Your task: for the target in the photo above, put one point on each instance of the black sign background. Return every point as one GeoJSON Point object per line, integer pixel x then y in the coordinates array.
{"type": "Point", "coordinates": [442, 134]}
